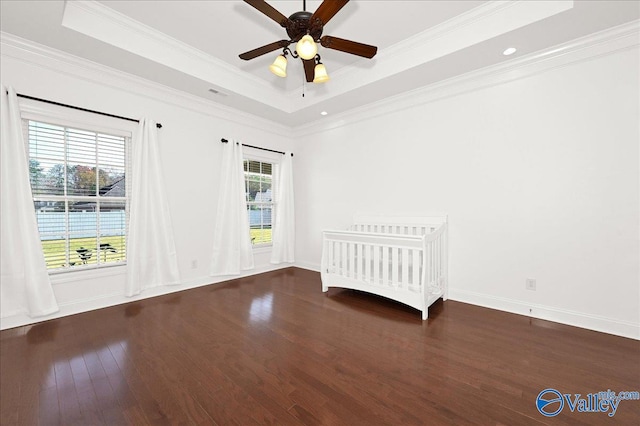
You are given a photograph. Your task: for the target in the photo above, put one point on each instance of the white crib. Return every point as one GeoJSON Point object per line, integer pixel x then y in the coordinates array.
{"type": "Point", "coordinates": [401, 258]}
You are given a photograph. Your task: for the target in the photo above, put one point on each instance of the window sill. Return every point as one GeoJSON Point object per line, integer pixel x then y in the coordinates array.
{"type": "Point", "coordinates": [87, 275]}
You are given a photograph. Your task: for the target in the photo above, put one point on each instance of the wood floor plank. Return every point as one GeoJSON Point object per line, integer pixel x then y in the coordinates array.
{"type": "Point", "coordinates": [274, 349]}
{"type": "Point", "coordinates": [48, 408]}
{"type": "Point", "coordinates": [145, 401]}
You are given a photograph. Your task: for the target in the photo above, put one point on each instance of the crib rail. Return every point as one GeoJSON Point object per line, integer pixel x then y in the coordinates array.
{"type": "Point", "coordinates": [402, 225]}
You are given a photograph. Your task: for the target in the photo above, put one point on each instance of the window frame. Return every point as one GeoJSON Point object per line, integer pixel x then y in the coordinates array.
{"type": "Point", "coordinates": [253, 154]}
{"type": "Point", "coordinates": [60, 116]}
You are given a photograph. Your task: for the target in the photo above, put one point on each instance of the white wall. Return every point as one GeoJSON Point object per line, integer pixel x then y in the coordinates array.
{"type": "Point", "coordinates": [190, 149]}
{"type": "Point", "coordinates": [539, 176]}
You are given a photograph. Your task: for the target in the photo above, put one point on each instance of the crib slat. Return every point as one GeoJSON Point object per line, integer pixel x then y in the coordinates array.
{"type": "Point", "coordinates": [359, 260]}
{"type": "Point", "coordinates": [440, 262]}
{"type": "Point", "coordinates": [432, 255]}
{"type": "Point", "coordinates": [431, 266]}
{"type": "Point", "coordinates": [415, 269]}
{"type": "Point", "coordinates": [385, 266]}
{"type": "Point", "coordinates": [436, 261]}
{"type": "Point", "coordinates": [367, 264]}
{"type": "Point", "coordinates": [405, 268]}
{"type": "Point", "coordinates": [343, 258]}
{"type": "Point", "coordinates": [352, 260]}
{"type": "Point", "coordinates": [376, 264]}
{"type": "Point", "coordinates": [438, 265]}
{"type": "Point", "coordinates": [394, 266]}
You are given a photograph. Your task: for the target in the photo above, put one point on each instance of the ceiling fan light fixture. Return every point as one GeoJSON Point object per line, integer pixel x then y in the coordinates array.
{"type": "Point", "coordinates": [320, 73]}
{"type": "Point", "coordinates": [305, 30]}
{"type": "Point", "coordinates": [306, 47]}
{"type": "Point", "coordinates": [279, 66]}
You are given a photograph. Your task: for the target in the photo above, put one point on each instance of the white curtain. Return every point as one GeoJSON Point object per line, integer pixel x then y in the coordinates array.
{"type": "Point", "coordinates": [151, 251]}
{"type": "Point", "coordinates": [285, 225]}
{"type": "Point", "coordinates": [24, 284]}
{"type": "Point", "coordinates": [232, 250]}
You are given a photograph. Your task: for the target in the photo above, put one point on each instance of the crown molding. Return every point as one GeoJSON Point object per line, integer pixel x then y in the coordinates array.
{"type": "Point", "coordinates": [489, 20]}
{"type": "Point", "coordinates": [98, 21]}
{"type": "Point", "coordinates": [609, 41]}
{"type": "Point", "coordinates": [45, 57]}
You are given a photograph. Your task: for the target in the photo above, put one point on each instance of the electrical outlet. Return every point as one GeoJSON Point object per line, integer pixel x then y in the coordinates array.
{"type": "Point", "coordinates": [530, 284]}
{"type": "Point", "coordinates": [194, 264]}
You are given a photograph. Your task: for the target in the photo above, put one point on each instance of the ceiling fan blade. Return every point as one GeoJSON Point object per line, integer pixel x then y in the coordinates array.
{"type": "Point", "coordinates": [309, 69]}
{"type": "Point", "coordinates": [264, 49]}
{"type": "Point", "coordinates": [349, 46]}
{"type": "Point", "coordinates": [327, 9]}
{"type": "Point", "coordinates": [268, 10]}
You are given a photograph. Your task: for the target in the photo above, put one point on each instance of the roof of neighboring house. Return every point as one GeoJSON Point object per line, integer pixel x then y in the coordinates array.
{"type": "Point", "coordinates": [116, 189]}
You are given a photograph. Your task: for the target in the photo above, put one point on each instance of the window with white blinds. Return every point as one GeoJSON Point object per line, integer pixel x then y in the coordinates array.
{"type": "Point", "coordinates": [80, 195]}
{"type": "Point", "coordinates": [258, 177]}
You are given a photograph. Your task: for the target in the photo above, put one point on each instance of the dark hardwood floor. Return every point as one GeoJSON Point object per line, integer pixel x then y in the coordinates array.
{"type": "Point", "coordinates": [274, 349]}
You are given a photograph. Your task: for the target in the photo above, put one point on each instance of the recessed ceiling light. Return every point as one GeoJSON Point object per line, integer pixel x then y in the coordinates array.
{"type": "Point", "coordinates": [509, 51]}
{"type": "Point", "coordinates": [324, 113]}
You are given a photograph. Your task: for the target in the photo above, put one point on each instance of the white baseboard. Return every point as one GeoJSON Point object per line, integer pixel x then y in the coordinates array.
{"type": "Point", "coordinates": [104, 301]}
{"type": "Point", "coordinates": [315, 267]}
{"type": "Point", "coordinates": [563, 316]}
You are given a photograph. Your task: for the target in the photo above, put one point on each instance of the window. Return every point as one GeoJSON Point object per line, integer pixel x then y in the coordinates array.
{"type": "Point", "coordinates": [80, 195]}
{"type": "Point", "coordinates": [258, 177]}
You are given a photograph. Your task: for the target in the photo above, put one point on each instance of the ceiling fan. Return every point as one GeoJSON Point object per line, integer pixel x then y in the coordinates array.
{"type": "Point", "coordinates": [305, 29]}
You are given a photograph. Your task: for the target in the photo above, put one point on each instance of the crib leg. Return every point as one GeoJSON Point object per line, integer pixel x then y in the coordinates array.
{"type": "Point", "coordinates": [425, 314]}
{"type": "Point", "coordinates": [325, 288]}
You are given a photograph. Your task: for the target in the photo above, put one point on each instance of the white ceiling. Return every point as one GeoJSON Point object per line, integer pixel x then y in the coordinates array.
{"type": "Point", "coordinates": [193, 46]}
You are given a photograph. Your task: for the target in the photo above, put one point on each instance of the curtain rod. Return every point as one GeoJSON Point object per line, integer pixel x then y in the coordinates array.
{"type": "Point", "coordinates": [158, 125]}
{"type": "Point", "coordinates": [223, 140]}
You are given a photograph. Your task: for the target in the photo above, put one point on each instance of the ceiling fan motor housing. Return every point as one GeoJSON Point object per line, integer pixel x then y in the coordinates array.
{"type": "Point", "coordinates": [300, 25]}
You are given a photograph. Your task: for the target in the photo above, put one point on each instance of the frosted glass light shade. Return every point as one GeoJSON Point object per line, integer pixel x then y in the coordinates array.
{"type": "Point", "coordinates": [279, 66]}
{"type": "Point", "coordinates": [306, 47]}
{"type": "Point", "coordinates": [320, 74]}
